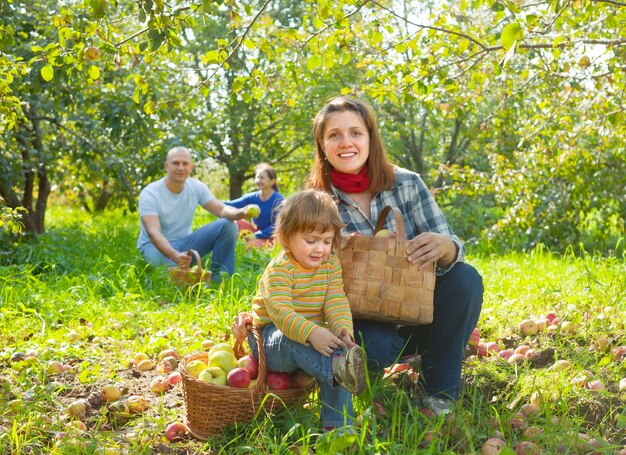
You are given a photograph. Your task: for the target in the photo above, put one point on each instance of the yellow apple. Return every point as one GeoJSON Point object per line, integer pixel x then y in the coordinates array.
{"type": "Point", "coordinates": [220, 347]}
{"type": "Point", "coordinates": [195, 367]}
{"type": "Point", "coordinates": [253, 210]}
{"type": "Point", "coordinates": [205, 376]}
{"type": "Point", "coordinates": [226, 360]}
{"type": "Point", "coordinates": [385, 233]}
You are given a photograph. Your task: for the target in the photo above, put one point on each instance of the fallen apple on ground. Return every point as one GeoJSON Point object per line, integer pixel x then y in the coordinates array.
{"type": "Point", "coordinates": [528, 327]}
{"type": "Point", "coordinates": [175, 432]}
{"type": "Point", "coordinates": [110, 393]}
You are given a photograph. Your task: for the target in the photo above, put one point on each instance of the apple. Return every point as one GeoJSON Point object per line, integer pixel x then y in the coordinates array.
{"type": "Point", "coordinates": [567, 328]}
{"type": "Point", "coordinates": [529, 409]}
{"type": "Point", "coordinates": [531, 433]}
{"type": "Point", "coordinates": [220, 347]}
{"type": "Point", "coordinates": [145, 365]}
{"type": "Point", "coordinates": [238, 377]}
{"type": "Point", "coordinates": [528, 327]}
{"type": "Point", "coordinates": [493, 347]}
{"type": "Point", "coordinates": [165, 367]}
{"type": "Point", "coordinates": [174, 378]}
{"type": "Point", "coordinates": [136, 404]}
{"type": "Point", "coordinates": [253, 210]}
{"type": "Point", "coordinates": [481, 349]}
{"type": "Point", "coordinates": [205, 376]}
{"type": "Point", "coordinates": [195, 367]}
{"type": "Point", "coordinates": [278, 381]}
{"type": "Point", "coordinates": [493, 446]}
{"type": "Point", "coordinates": [173, 361]}
{"type": "Point", "coordinates": [622, 385]}
{"type": "Point", "coordinates": [551, 316]}
{"type": "Point", "coordinates": [169, 353]}
{"type": "Point", "coordinates": [79, 408]}
{"type": "Point", "coordinates": [505, 353]}
{"type": "Point", "coordinates": [527, 448]}
{"type": "Point", "coordinates": [219, 375]}
{"type": "Point", "coordinates": [516, 358]}
{"type": "Point", "coordinates": [596, 385]}
{"type": "Point", "coordinates": [561, 365]}
{"type": "Point", "coordinates": [159, 385]}
{"type": "Point", "coordinates": [603, 342]}
{"type": "Point", "coordinates": [618, 353]}
{"type": "Point", "coordinates": [542, 324]}
{"type": "Point", "coordinates": [118, 407]}
{"type": "Point", "coordinates": [385, 233]}
{"type": "Point", "coordinates": [300, 379]}
{"type": "Point", "coordinates": [474, 337]}
{"type": "Point", "coordinates": [226, 360]}
{"type": "Point", "coordinates": [521, 349]}
{"type": "Point", "coordinates": [207, 344]}
{"type": "Point", "coordinates": [110, 393]}
{"type": "Point", "coordinates": [139, 357]}
{"type": "Point", "coordinates": [536, 398]}
{"type": "Point", "coordinates": [518, 420]}
{"type": "Point", "coordinates": [175, 432]}
{"type": "Point", "coordinates": [54, 367]}
{"type": "Point", "coordinates": [92, 53]}
{"type": "Point", "coordinates": [250, 363]}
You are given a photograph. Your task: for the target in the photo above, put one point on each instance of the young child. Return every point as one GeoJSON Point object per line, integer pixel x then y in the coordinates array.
{"type": "Point", "coordinates": [302, 309]}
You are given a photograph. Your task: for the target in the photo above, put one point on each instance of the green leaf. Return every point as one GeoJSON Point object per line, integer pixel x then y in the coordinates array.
{"type": "Point", "coordinates": [559, 39]}
{"type": "Point", "coordinates": [313, 62]}
{"type": "Point", "coordinates": [94, 72]}
{"type": "Point", "coordinates": [47, 73]}
{"type": "Point", "coordinates": [511, 33]}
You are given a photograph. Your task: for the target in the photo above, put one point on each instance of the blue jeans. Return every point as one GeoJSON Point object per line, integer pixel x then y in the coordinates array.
{"type": "Point", "coordinates": [441, 344]}
{"type": "Point", "coordinates": [219, 236]}
{"type": "Point", "coordinates": [284, 355]}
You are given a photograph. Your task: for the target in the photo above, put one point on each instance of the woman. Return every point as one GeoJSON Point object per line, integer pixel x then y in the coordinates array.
{"type": "Point", "coordinates": [268, 199]}
{"type": "Point", "coordinates": [351, 164]}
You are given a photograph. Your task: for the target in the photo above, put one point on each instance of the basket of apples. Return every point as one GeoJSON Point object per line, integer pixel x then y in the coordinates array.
{"type": "Point", "coordinates": [188, 276]}
{"type": "Point", "coordinates": [380, 282]}
{"type": "Point", "coordinates": [225, 386]}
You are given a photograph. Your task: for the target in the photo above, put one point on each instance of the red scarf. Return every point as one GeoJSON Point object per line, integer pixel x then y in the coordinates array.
{"type": "Point", "coordinates": [351, 183]}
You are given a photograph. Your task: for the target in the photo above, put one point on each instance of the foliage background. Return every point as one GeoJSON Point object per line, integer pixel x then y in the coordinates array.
{"type": "Point", "coordinates": [512, 111]}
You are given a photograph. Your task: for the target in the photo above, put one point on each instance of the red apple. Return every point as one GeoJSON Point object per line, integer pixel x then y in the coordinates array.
{"type": "Point", "coordinates": [493, 347]}
{"type": "Point", "coordinates": [79, 408]}
{"type": "Point", "coordinates": [516, 358]}
{"type": "Point", "coordinates": [531, 433]}
{"type": "Point", "coordinates": [250, 363]}
{"type": "Point", "coordinates": [238, 377]}
{"type": "Point", "coordinates": [175, 432]}
{"type": "Point", "coordinates": [618, 353]}
{"type": "Point", "coordinates": [518, 420]}
{"type": "Point", "coordinates": [493, 446]}
{"type": "Point", "coordinates": [481, 349]}
{"type": "Point", "coordinates": [300, 379]}
{"type": "Point", "coordinates": [174, 378]}
{"type": "Point", "coordinates": [474, 337]}
{"type": "Point", "coordinates": [505, 353]}
{"type": "Point", "coordinates": [596, 385]}
{"type": "Point", "coordinates": [278, 381]}
{"type": "Point", "coordinates": [551, 316]}
{"type": "Point", "coordinates": [169, 353]}
{"type": "Point", "coordinates": [527, 448]}
{"type": "Point", "coordinates": [528, 327]}
{"type": "Point", "coordinates": [54, 367]}
{"type": "Point", "coordinates": [159, 385]}
{"type": "Point", "coordinates": [529, 409]}
{"type": "Point", "coordinates": [522, 349]}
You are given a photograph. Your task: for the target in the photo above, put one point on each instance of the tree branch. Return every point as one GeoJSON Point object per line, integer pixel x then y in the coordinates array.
{"type": "Point", "coordinates": [612, 2]}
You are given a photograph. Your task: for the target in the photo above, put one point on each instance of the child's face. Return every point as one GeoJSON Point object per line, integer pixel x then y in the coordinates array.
{"type": "Point", "coordinates": [311, 248]}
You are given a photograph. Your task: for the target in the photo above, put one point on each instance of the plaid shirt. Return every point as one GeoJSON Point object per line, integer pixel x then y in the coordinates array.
{"type": "Point", "coordinates": [420, 212]}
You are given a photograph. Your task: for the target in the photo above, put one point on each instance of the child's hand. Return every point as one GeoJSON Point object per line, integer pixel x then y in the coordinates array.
{"type": "Point", "coordinates": [345, 337]}
{"type": "Point", "coordinates": [240, 332]}
{"type": "Point", "coordinates": [324, 342]}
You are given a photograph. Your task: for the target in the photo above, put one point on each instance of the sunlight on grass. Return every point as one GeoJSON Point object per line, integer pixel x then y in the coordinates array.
{"type": "Point", "coordinates": [83, 296]}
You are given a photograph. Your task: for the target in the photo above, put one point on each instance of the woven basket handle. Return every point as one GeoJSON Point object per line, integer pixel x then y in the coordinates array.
{"type": "Point", "coordinates": [261, 379]}
{"type": "Point", "coordinates": [400, 234]}
{"type": "Point", "coordinates": [198, 260]}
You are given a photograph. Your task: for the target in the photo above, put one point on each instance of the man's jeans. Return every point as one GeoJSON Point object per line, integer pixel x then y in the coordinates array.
{"type": "Point", "coordinates": [219, 236]}
{"type": "Point", "coordinates": [458, 300]}
{"type": "Point", "coordinates": [284, 355]}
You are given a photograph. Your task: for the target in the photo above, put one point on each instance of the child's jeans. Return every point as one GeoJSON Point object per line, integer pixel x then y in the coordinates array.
{"type": "Point", "coordinates": [284, 355]}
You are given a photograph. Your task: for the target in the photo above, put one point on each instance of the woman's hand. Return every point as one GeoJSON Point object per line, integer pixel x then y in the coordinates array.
{"type": "Point", "coordinates": [430, 247]}
{"type": "Point", "coordinates": [240, 332]}
{"type": "Point", "coordinates": [324, 342]}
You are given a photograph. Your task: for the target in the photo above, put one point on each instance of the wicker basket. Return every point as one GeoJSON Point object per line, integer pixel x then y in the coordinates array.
{"type": "Point", "coordinates": [188, 276]}
{"type": "Point", "coordinates": [210, 408]}
{"type": "Point", "coordinates": [379, 281]}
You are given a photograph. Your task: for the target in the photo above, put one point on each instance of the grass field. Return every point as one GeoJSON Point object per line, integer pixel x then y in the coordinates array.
{"type": "Point", "coordinates": [82, 296]}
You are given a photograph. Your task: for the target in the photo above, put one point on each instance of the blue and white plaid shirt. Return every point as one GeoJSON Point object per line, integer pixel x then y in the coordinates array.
{"type": "Point", "coordinates": [420, 212]}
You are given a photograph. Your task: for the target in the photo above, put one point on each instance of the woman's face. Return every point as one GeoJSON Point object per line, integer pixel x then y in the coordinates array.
{"type": "Point", "coordinates": [346, 142]}
{"type": "Point", "coordinates": [263, 181]}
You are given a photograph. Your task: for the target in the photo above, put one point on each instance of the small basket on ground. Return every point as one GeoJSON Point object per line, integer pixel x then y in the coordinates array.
{"type": "Point", "coordinates": [186, 276]}
{"type": "Point", "coordinates": [210, 408]}
{"type": "Point", "coordinates": [379, 281]}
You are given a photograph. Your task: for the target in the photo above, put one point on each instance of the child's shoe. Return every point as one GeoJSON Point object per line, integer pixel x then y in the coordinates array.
{"type": "Point", "coordinates": [349, 369]}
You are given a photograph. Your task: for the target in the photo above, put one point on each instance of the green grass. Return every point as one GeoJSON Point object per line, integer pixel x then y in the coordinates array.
{"type": "Point", "coordinates": [82, 295]}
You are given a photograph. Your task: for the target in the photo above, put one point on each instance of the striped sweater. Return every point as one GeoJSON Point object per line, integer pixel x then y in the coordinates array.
{"type": "Point", "coordinates": [296, 300]}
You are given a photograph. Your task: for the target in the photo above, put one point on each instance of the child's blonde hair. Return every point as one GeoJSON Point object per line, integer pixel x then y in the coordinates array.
{"type": "Point", "coordinates": [308, 211]}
